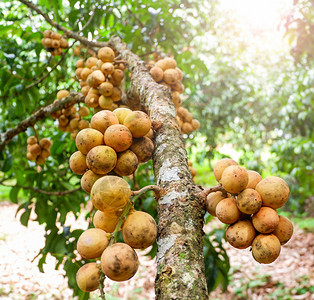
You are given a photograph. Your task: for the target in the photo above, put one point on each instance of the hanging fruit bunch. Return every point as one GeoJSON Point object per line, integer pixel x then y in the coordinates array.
{"type": "Point", "coordinates": [100, 79]}
{"type": "Point", "coordinates": [54, 42]}
{"type": "Point", "coordinates": [70, 118]}
{"type": "Point", "coordinates": [249, 203]}
{"type": "Point", "coordinates": [166, 72]}
{"type": "Point", "coordinates": [38, 151]}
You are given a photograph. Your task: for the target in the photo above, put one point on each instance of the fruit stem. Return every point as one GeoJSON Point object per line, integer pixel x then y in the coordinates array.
{"type": "Point", "coordinates": [155, 188]}
{"type": "Point", "coordinates": [213, 189]}
{"type": "Point", "coordinates": [101, 284]}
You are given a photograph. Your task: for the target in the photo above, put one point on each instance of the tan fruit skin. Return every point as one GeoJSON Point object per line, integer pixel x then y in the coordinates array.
{"type": "Point", "coordinates": [221, 165]}
{"type": "Point", "coordinates": [143, 148]}
{"type": "Point", "coordinates": [211, 202]}
{"type": "Point", "coordinates": [139, 230]}
{"type": "Point", "coordinates": [88, 179]}
{"type": "Point", "coordinates": [274, 191]}
{"type": "Point", "coordinates": [284, 230]}
{"type": "Point", "coordinates": [87, 277]}
{"type": "Point", "coordinates": [266, 248]}
{"type": "Point", "coordinates": [254, 179]}
{"type": "Point", "coordinates": [127, 163]}
{"type": "Point", "coordinates": [138, 123]}
{"type": "Point", "coordinates": [249, 201]}
{"type": "Point", "coordinates": [241, 234]}
{"type": "Point", "coordinates": [118, 137]}
{"type": "Point", "coordinates": [265, 220]}
{"type": "Point", "coordinates": [104, 221]}
{"type": "Point", "coordinates": [234, 179]}
{"type": "Point", "coordinates": [121, 113]}
{"type": "Point", "coordinates": [87, 139]}
{"type": "Point", "coordinates": [119, 262]}
{"type": "Point", "coordinates": [101, 159]}
{"type": "Point", "coordinates": [227, 211]}
{"type": "Point", "coordinates": [78, 163]}
{"type": "Point", "coordinates": [103, 119]}
{"type": "Point", "coordinates": [92, 242]}
{"type": "Point", "coordinates": [110, 193]}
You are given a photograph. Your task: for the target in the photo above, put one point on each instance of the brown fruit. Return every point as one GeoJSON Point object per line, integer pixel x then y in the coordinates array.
{"type": "Point", "coordinates": [193, 171]}
{"type": "Point", "coordinates": [166, 63]}
{"type": "Point", "coordinates": [74, 134]}
{"type": "Point", "coordinates": [249, 201]}
{"type": "Point", "coordinates": [101, 159]}
{"type": "Point", "coordinates": [178, 87]}
{"type": "Point", "coordinates": [95, 78]}
{"type": "Point", "coordinates": [82, 124]}
{"type": "Point", "coordinates": [284, 230]}
{"type": "Point", "coordinates": [150, 134]}
{"type": "Point", "coordinates": [61, 94]}
{"type": "Point", "coordinates": [212, 200]}
{"type": "Point", "coordinates": [83, 111]}
{"type": "Point", "coordinates": [143, 148]}
{"type": "Point", "coordinates": [241, 234]}
{"type": "Point", "coordinates": [110, 193]}
{"type": "Point", "coordinates": [107, 68]}
{"type": "Point", "coordinates": [180, 74]}
{"type": "Point", "coordinates": [88, 138]}
{"type": "Point", "coordinates": [227, 211]}
{"type": "Point", "coordinates": [30, 156]}
{"type": "Point", "coordinates": [274, 191]}
{"type": "Point", "coordinates": [91, 62]}
{"type": "Point", "coordinates": [138, 123]}
{"type": "Point", "coordinates": [105, 102]}
{"type": "Point", "coordinates": [176, 99]}
{"type": "Point", "coordinates": [85, 73]}
{"type": "Point", "coordinates": [234, 179]}
{"type": "Point", "coordinates": [106, 89]}
{"type": "Point", "coordinates": [74, 124]}
{"type": "Point", "coordinates": [88, 179]}
{"type": "Point", "coordinates": [157, 73]}
{"type": "Point", "coordinates": [118, 137]}
{"type": "Point", "coordinates": [55, 36]}
{"type": "Point", "coordinates": [45, 153]}
{"type": "Point", "coordinates": [34, 149]}
{"type": "Point", "coordinates": [116, 94]}
{"type": "Point", "coordinates": [106, 54]}
{"type": "Point", "coordinates": [196, 124]}
{"type": "Point", "coordinates": [121, 113]}
{"type": "Point", "coordinates": [171, 76]}
{"type": "Point", "coordinates": [265, 220]}
{"type": "Point", "coordinates": [265, 248]}
{"type": "Point", "coordinates": [254, 179]}
{"type": "Point", "coordinates": [64, 43]}
{"type": "Point", "coordinates": [186, 127]}
{"type": "Point", "coordinates": [87, 277]}
{"type": "Point", "coordinates": [47, 33]}
{"type": "Point", "coordinates": [103, 119]}
{"type": "Point", "coordinates": [91, 100]}
{"type": "Point", "coordinates": [78, 163]}
{"type": "Point", "coordinates": [78, 73]}
{"type": "Point", "coordinates": [55, 44]}
{"type": "Point", "coordinates": [31, 140]}
{"type": "Point", "coordinates": [119, 262]}
{"type": "Point", "coordinates": [105, 221]}
{"type": "Point", "coordinates": [80, 63]}
{"type": "Point", "coordinates": [77, 50]}
{"type": "Point", "coordinates": [40, 160]}
{"type": "Point", "coordinates": [92, 242]}
{"type": "Point", "coordinates": [221, 165]}
{"type": "Point", "coordinates": [127, 163]}
{"type": "Point", "coordinates": [117, 75]}
{"type": "Point", "coordinates": [82, 83]}
{"type": "Point", "coordinates": [139, 230]}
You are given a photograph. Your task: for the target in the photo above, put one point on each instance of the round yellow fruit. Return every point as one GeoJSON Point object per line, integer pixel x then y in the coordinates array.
{"type": "Point", "coordinates": [241, 234]}
{"type": "Point", "coordinates": [234, 179]}
{"type": "Point", "coordinates": [221, 165]}
{"type": "Point", "coordinates": [266, 248]}
{"type": "Point", "coordinates": [87, 277]}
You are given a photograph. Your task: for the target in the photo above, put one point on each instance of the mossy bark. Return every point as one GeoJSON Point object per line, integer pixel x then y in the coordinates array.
{"type": "Point", "coordinates": [180, 264]}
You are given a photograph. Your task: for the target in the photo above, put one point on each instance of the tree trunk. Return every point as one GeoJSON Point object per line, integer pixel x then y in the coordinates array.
{"type": "Point", "coordinates": [180, 263]}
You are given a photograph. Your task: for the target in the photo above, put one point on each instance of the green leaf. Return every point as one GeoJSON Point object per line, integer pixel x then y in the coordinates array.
{"type": "Point", "coordinates": [14, 193]}
{"type": "Point", "coordinates": [25, 216]}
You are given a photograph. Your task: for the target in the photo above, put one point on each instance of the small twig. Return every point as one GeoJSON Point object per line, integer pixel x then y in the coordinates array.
{"type": "Point", "coordinates": [88, 21]}
{"type": "Point", "coordinates": [101, 284]}
{"type": "Point", "coordinates": [212, 189]}
{"type": "Point", "coordinates": [56, 193]}
{"type": "Point", "coordinates": [155, 188]}
{"type": "Point", "coordinates": [52, 69]}
{"type": "Point", "coordinates": [40, 114]}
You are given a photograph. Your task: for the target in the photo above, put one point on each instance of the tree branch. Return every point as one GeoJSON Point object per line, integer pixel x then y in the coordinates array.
{"type": "Point", "coordinates": [42, 113]}
{"type": "Point", "coordinates": [56, 193]}
{"type": "Point", "coordinates": [181, 208]}
{"type": "Point", "coordinates": [68, 32]}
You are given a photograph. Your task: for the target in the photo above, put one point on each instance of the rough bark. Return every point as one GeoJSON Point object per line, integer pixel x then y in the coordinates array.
{"type": "Point", "coordinates": [42, 113]}
{"type": "Point", "coordinates": [180, 264]}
